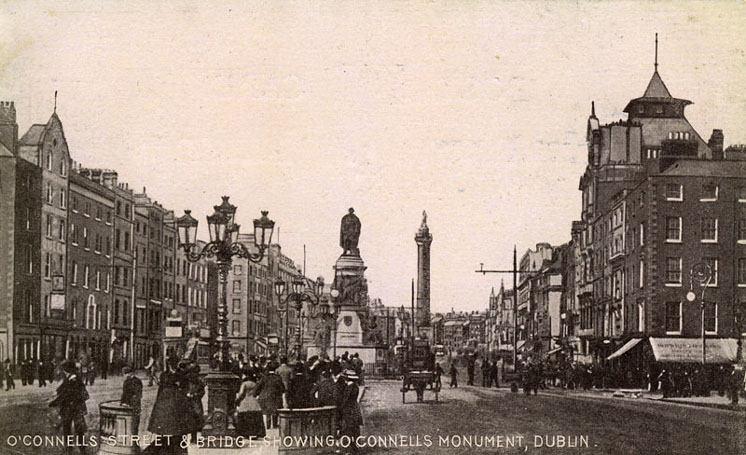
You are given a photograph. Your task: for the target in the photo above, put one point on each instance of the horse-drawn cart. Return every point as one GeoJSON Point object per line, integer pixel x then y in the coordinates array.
{"type": "Point", "coordinates": [419, 371]}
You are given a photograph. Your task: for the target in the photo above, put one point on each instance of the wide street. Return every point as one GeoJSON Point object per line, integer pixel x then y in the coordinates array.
{"type": "Point", "coordinates": [610, 425]}
{"type": "Point", "coordinates": [461, 421]}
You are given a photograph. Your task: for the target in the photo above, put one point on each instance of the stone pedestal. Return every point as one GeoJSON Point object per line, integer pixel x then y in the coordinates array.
{"type": "Point", "coordinates": [221, 392]}
{"type": "Point", "coordinates": [352, 301]}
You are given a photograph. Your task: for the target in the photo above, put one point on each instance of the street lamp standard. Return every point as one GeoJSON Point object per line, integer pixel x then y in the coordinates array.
{"type": "Point", "coordinates": [301, 290]}
{"type": "Point", "coordinates": [702, 273]}
{"type": "Point", "coordinates": [223, 246]}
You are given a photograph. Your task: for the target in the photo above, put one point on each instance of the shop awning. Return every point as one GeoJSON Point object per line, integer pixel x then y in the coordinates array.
{"type": "Point", "coordinates": [626, 347]}
{"type": "Point", "coordinates": [689, 350]}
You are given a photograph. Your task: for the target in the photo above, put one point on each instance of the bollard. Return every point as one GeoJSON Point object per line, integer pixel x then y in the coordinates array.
{"type": "Point", "coordinates": [117, 420]}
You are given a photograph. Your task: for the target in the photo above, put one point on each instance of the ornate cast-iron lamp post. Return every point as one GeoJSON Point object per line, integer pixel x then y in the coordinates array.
{"type": "Point", "coordinates": [223, 246]}
{"type": "Point", "coordinates": [702, 273]}
{"type": "Point", "coordinates": [303, 290]}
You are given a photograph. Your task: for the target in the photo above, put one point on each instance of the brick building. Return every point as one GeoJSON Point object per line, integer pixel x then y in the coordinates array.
{"type": "Point", "coordinates": [657, 199]}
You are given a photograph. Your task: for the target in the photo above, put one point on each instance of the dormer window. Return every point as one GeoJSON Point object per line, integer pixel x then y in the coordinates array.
{"type": "Point", "coordinates": [658, 109]}
{"type": "Point", "coordinates": [640, 109]}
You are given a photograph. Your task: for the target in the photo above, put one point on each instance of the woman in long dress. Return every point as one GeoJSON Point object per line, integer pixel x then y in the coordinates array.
{"type": "Point", "coordinates": [168, 416]}
{"type": "Point", "coordinates": [249, 421]}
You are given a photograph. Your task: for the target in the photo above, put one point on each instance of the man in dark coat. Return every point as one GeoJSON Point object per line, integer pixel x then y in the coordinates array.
{"type": "Point", "coordinates": [454, 375]}
{"type": "Point", "coordinates": [299, 389]}
{"type": "Point", "coordinates": [269, 393]}
{"type": "Point", "coordinates": [326, 390]}
{"type": "Point", "coordinates": [132, 394]}
{"type": "Point", "coordinates": [486, 379]}
{"type": "Point", "coordinates": [493, 375]}
{"type": "Point", "coordinates": [71, 398]}
{"type": "Point", "coordinates": [41, 373]}
{"type": "Point", "coordinates": [8, 371]}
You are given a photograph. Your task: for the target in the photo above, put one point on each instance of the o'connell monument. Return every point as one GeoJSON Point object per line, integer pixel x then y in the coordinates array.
{"type": "Point", "coordinates": [354, 332]}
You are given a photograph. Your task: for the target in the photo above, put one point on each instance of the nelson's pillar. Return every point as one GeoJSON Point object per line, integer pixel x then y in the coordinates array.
{"type": "Point", "coordinates": [422, 310]}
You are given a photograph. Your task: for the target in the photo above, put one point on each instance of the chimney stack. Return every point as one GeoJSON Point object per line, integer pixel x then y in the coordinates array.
{"type": "Point", "coordinates": [716, 144]}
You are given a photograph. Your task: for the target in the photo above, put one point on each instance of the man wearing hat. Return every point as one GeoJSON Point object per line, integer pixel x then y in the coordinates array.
{"type": "Point", "coordinates": [132, 393]}
{"type": "Point", "coordinates": [71, 398]}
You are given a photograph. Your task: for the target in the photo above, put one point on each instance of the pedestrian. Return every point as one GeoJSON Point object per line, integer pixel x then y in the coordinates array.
{"type": "Point", "coordinates": [285, 371]}
{"type": "Point", "coordinates": [352, 417]}
{"type": "Point", "coordinates": [104, 368]}
{"type": "Point", "coordinates": [132, 394]}
{"type": "Point", "coordinates": [269, 392]}
{"type": "Point", "coordinates": [41, 373]}
{"type": "Point", "coordinates": [24, 372]}
{"type": "Point", "coordinates": [249, 421]}
{"type": "Point", "coordinates": [470, 369]}
{"type": "Point", "coordinates": [438, 372]}
{"type": "Point", "coordinates": [736, 383]}
{"type": "Point", "coordinates": [325, 389]}
{"type": "Point", "coordinates": [299, 393]}
{"type": "Point", "coordinates": [8, 371]}
{"type": "Point", "coordinates": [168, 416]}
{"type": "Point", "coordinates": [150, 369]}
{"type": "Point", "coordinates": [340, 385]}
{"type": "Point", "coordinates": [91, 372]}
{"type": "Point", "coordinates": [493, 375]}
{"type": "Point", "coordinates": [359, 367]}
{"type": "Point", "coordinates": [665, 383]}
{"type": "Point", "coordinates": [194, 388]}
{"type": "Point", "coordinates": [486, 379]}
{"type": "Point", "coordinates": [453, 372]}
{"type": "Point", "coordinates": [70, 399]}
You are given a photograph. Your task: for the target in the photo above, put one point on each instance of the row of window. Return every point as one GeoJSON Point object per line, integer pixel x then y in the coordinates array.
{"type": "Point", "coordinates": [674, 318]}
{"type": "Point", "coordinates": [101, 213]}
{"type": "Point", "coordinates": [708, 193]}
{"type": "Point", "coordinates": [101, 280]}
{"type": "Point", "coordinates": [80, 237]}
{"type": "Point", "coordinates": [708, 229]}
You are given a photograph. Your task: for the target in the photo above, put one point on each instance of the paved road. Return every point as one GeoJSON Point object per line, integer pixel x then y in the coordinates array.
{"type": "Point", "coordinates": [464, 415]}
{"type": "Point", "coordinates": [609, 425]}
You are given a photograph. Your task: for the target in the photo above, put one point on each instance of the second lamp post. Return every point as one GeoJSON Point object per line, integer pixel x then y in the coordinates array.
{"type": "Point", "coordinates": [301, 290]}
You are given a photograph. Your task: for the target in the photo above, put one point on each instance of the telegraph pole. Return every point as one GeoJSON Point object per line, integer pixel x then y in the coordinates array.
{"type": "Point", "coordinates": [514, 271]}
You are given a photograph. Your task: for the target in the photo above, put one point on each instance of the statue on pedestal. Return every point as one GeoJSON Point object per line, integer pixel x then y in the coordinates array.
{"type": "Point", "coordinates": [349, 234]}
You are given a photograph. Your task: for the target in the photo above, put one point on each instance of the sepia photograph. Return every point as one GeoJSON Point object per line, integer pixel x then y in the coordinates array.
{"type": "Point", "coordinates": [306, 227]}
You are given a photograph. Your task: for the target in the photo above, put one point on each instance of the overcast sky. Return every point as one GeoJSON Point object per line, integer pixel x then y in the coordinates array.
{"type": "Point", "coordinates": [472, 110]}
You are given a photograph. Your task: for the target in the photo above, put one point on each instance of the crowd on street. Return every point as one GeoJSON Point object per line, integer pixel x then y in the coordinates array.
{"type": "Point", "coordinates": [267, 384]}
{"type": "Point", "coordinates": [671, 380]}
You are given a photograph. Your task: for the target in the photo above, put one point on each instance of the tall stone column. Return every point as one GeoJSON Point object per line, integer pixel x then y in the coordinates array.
{"type": "Point", "coordinates": [423, 239]}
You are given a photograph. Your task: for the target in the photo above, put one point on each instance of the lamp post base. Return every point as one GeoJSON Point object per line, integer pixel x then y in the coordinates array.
{"type": "Point", "coordinates": [222, 387]}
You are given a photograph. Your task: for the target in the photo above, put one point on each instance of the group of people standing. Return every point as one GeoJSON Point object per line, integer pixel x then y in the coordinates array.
{"type": "Point", "coordinates": [268, 385]}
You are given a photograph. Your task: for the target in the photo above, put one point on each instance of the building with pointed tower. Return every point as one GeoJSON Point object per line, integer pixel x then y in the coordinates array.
{"type": "Point", "coordinates": [424, 239]}
{"type": "Point", "coordinates": [34, 174]}
{"type": "Point", "coordinates": [657, 202]}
